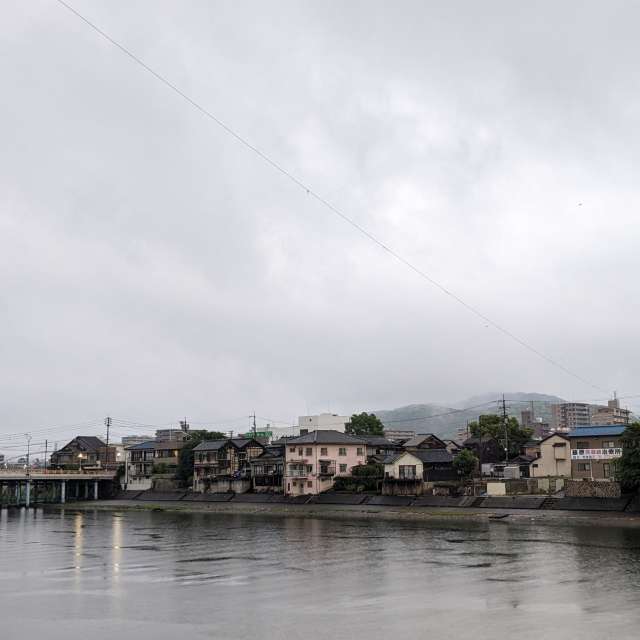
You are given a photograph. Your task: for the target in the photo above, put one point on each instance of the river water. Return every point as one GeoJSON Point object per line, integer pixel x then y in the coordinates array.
{"type": "Point", "coordinates": [156, 575]}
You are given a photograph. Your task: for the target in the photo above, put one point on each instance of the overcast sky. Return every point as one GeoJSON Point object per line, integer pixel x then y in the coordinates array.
{"type": "Point", "coordinates": [151, 267]}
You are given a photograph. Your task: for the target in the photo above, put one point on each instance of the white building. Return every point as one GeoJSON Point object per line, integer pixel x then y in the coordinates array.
{"type": "Point", "coordinates": [323, 421]}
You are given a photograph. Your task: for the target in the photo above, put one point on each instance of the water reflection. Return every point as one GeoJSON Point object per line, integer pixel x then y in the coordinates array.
{"type": "Point", "coordinates": [155, 574]}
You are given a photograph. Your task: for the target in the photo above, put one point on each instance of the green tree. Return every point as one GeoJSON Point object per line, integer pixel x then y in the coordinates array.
{"type": "Point", "coordinates": [492, 426]}
{"type": "Point", "coordinates": [365, 424]}
{"type": "Point", "coordinates": [465, 463]}
{"type": "Point", "coordinates": [628, 465]}
{"type": "Point", "coordinates": [184, 472]}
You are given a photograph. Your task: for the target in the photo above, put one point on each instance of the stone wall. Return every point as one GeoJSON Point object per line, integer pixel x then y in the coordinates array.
{"type": "Point", "coordinates": [592, 489]}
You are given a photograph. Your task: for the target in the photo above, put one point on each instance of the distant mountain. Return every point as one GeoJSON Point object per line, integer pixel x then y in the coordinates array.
{"type": "Point", "coordinates": [445, 420]}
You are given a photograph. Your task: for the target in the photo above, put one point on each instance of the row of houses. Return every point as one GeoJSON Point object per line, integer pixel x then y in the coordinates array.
{"type": "Point", "coordinates": [310, 463]}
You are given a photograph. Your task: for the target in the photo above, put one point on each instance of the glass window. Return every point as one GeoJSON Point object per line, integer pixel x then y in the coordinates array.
{"type": "Point", "coordinates": [308, 451]}
{"type": "Point", "coordinates": [360, 451]}
{"type": "Point", "coordinates": [343, 468]}
{"type": "Point", "coordinates": [324, 451]}
{"type": "Point", "coordinates": [583, 466]}
{"type": "Point", "coordinates": [342, 451]}
{"type": "Point", "coordinates": [407, 471]}
{"type": "Point", "coordinates": [309, 484]}
{"type": "Point", "coordinates": [606, 469]}
{"type": "Point", "coordinates": [582, 444]}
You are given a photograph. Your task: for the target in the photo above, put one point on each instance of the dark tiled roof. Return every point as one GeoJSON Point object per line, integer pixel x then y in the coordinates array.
{"type": "Point", "coordinates": [433, 455]}
{"type": "Point", "coordinates": [88, 443]}
{"type": "Point", "coordinates": [326, 436]}
{"type": "Point", "coordinates": [149, 444]}
{"type": "Point", "coordinates": [214, 445]}
{"type": "Point", "coordinates": [211, 445]}
{"type": "Point", "coordinates": [392, 457]}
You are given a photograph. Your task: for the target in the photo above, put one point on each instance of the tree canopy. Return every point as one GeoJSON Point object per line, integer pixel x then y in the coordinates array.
{"type": "Point", "coordinates": [628, 465]}
{"type": "Point", "coordinates": [184, 472]}
{"type": "Point", "coordinates": [365, 424]}
{"type": "Point", "coordinates": [465, 463]}
{"type": "Point", "coordinates": [493, 426]}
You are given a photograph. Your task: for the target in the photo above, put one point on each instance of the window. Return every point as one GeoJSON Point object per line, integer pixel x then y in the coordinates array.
{"type": "Point", "coordinates": [343, 468]}
{"type": "Point", "coordinates": [324, 451]}
{"type": "Point", "coordinates": [342, 451]}
{"type": "Point", "coordinates": [608, 445]}
{"type": "Point", "coordinates": [582, 444]}
{"type": "Point", "coordinates": [308, 451]}
{"type": "Point", "coordinates": [359, 452]}
{"type": "Point", "coordinates": [309, 468]}
{"type": "Point", "coordinates": [292, 449]}
{"type": "Point", "coordinates": [300, 451]}
{"type": "Point", "coordinates": [407, 471]}
{"type": "Point", "coordinates": [309, 484]}
{"type": "Point", "coordinates": [583, 466]}
{"type": "Point", "coordinates": [606, 470]}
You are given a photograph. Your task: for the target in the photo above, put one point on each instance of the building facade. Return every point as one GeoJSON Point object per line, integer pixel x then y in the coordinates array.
{"type": "Point", "coordinates": [139, 466]}
{"type": "Point", "coordinates": [313, 460]}
{"type": "Point", "coordinates": [569, 415]}
{"type": "Point", "coordinates": [612, 414]}
{"type": "Point", "coordinates": [554, 458]}
{"type": "Point", "coordinates": [227, 458]}
{"type": "Point", "coordinates": [594, 451]}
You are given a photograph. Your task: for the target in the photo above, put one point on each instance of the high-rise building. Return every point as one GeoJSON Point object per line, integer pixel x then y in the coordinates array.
{"type": "Point", "coordinates": [569, 415]}
{"type": "Point", "coordinates": [323, 421]}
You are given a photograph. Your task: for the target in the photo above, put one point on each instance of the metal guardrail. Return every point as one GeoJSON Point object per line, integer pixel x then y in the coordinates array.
{"type": "Point", "coordinates": [56, 472]}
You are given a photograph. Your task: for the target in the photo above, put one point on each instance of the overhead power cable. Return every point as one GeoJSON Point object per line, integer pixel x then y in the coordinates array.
{"type": "Point", "coordinates": [310, 192]}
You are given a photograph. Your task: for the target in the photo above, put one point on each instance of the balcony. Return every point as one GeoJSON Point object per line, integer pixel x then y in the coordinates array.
{"type": "Point", "coordinates": [296, 472]}
{"type": "Point", "coordinates": [326, 470]}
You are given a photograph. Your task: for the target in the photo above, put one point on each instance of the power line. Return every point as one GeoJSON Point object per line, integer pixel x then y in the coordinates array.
{"type": "Point", "coordinates": [310, 192]}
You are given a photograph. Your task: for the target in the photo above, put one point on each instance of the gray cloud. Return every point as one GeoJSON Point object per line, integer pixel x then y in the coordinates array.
{"type": "Point", "coordinates": [151, 267]}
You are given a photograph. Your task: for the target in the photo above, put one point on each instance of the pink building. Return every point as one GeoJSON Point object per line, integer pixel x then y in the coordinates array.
{"type": "Point", "coordinates": [313, 460]}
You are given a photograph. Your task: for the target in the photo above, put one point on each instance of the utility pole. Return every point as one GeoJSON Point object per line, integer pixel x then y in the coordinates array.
{"type": "Point", "coordinates": [107, 422]}
{"type": "Point", "coordinates": [46, 448]}
{"type": "Point", "coordinates": [254, 424]}
{"type": "Point", "coordinates": [506, 430]}
{"type": "Point", "coordinates": [28, 436]}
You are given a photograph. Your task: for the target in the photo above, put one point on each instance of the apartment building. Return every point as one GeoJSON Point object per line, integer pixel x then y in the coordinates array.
{"type": "Point", "coordinates": [612, 414]}
{"type": "Point", "coordinates": [594, 451]}
{"type": "Point", "coordinates": [569, 415]}
{"type": "Point", "coordinates": [313, 460]}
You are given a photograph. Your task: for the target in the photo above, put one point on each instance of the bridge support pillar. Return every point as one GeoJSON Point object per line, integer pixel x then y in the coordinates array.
{"type": "Point", "coordinates": [63, 491]}
{"type": "Point", "coordinates": [95, 490]}
{"type": "Point", "coordinates": [27, 499]}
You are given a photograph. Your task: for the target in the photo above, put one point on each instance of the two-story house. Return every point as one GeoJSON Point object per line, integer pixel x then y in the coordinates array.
{"type": "Point", "coordinates": [313, 460]}
{"type": "Point", "coordinates": [554, 458]}
{"type": "Point", "coordinates": [139, 465]}
{"type": "Point", "coordinates": [229, 457]}
{"type": "Point", "coordinates": [594, 451]}
{"type": "Point", "coordinates": [267, 470]}
{"type": "Point", "coordinates": [84, 452]}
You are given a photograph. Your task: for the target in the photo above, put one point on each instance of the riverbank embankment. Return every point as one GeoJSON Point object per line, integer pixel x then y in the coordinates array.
{"type": "Point", "coordinates": [368, 512]}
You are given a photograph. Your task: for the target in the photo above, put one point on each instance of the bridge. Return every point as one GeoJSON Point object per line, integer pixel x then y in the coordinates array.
{"type": "Point", "coordinates": [24, 487]}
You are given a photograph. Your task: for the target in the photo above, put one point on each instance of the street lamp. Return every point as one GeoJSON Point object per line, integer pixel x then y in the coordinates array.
{"type": "Point", "coordinates": [80, 456]}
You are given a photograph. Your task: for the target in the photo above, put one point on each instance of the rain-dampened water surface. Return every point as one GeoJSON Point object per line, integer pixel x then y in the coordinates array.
{"type": "Point", "coordinates": [156, 575]}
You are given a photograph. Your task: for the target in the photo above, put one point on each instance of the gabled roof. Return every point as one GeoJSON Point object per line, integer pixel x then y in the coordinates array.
{"type": "Point", "coordinates": [417, 440]}
{"type": "Point", "coordinates": [87, 443]}
{"type": "Point", "coordinates": [211, 445]}
{"type": "Point", "coordinates": [215, 445]}
{"type": "Point", "coordinates": [553, 435]}
{"type": "Point", "coordinates": [326, 436]}
{"type": "Point", "coordinates": [149, 444]}
{"type": "Point", "coordinates": [393, 457]}
{"type": "Point", "coordinates": [596, 431]}
{"type": "Point", "coordinates": [433, 455]}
